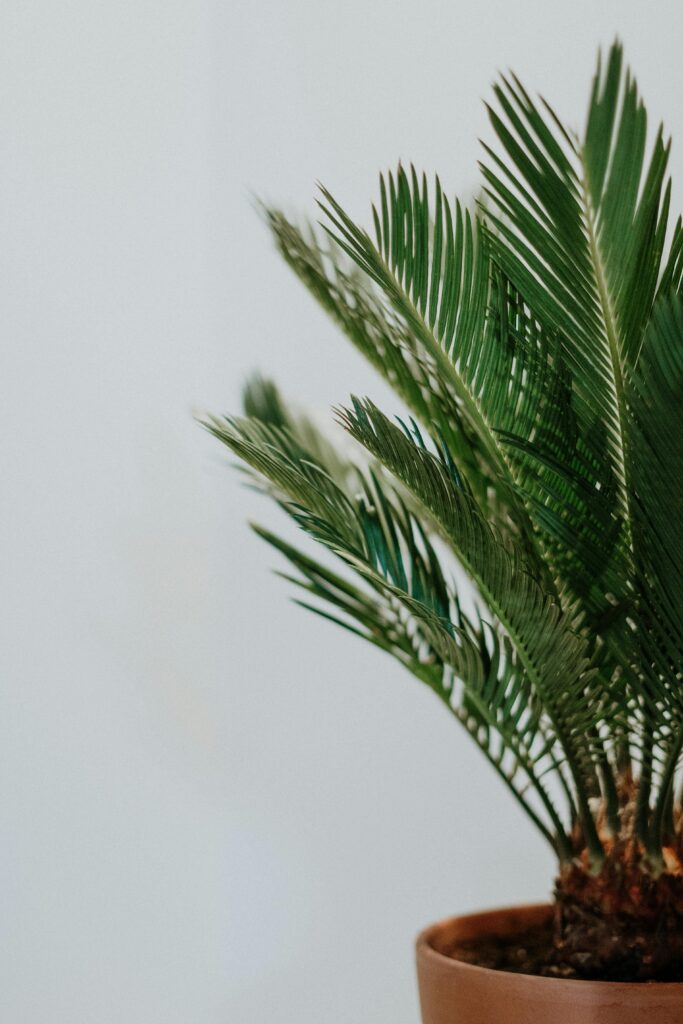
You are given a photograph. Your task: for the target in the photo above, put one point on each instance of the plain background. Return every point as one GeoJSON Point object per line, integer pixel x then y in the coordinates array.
{"type": "Point", "coordinates": [215, 808]}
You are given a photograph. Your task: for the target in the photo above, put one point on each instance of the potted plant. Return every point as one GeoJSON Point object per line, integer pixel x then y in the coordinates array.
{"type": "Point", "coordinates": [537, 344]}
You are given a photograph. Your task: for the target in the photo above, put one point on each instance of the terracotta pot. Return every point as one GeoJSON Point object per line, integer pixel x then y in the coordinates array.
{"type": "Point", "coordinates": [457, 993]}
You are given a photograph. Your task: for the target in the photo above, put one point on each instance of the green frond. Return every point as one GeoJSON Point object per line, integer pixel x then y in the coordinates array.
{"type": "Point", "coordinates": [579, 227]}
{"type": "Point", "coordinates": [655, 392]}
{"type": "Point", "coordinates": [441, 296]}
{"type": "Point", "coordinates": [386, 342]}
{"type": "Point", "coordinates": [655, 400]}
{"type": "Point", "coordinates": [470, 669]}
{"type": "Point", "coordinates": [414, 614]}
{"type": "Point", "coordinates": [554, 656]}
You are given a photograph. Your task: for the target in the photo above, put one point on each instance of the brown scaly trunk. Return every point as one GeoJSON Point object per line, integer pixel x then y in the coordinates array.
{"type": "Point", "coordinates": [625, 924]}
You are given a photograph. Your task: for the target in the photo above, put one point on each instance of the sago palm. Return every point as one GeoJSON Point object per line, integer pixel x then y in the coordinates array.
{"type": "Point", "coordinates": [536, 344]}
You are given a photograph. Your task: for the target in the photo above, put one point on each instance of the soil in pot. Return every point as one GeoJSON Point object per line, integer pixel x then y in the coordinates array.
{"type": "Point", "coordinates": [534, 952]}
{"type": "Point", "coordinates": [527, 953]}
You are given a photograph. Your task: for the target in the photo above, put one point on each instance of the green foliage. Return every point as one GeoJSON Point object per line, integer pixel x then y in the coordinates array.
{"type": "Point", "coordinates": [538, 343]}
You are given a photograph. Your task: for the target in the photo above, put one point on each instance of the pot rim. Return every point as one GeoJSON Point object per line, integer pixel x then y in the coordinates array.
{"type": "Point", "coordinates": [426, 952]}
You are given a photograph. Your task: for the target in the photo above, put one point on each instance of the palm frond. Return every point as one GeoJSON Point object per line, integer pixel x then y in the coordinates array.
{"type": "Point", "coordinates": [387, 343]}
{"type": "Point", "coordinates": [554, 655]}
{"type": "Point", "coordinates": [411, 612]}
{"type": "Point", "coordinates": [579, 226]}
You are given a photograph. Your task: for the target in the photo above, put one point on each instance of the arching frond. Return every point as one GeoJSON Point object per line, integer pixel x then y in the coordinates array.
{"type": "Point", "coordinates": [411, 611]}
{"type": "Point", "coordinates": [579, 225]}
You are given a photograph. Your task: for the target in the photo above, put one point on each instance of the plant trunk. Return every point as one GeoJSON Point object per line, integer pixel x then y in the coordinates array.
{"type": "Point", "coordinates": [625, 924]}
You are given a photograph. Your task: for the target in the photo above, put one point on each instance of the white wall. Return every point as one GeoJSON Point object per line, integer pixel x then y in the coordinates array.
{"type": "Point", "coordinates": [214, 808]}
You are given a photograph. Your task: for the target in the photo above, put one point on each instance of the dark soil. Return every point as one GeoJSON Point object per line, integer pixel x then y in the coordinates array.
{"type": "Point", "coordinates": [529, 953]}
{"type": "Point", "coordinates": [538, 952]}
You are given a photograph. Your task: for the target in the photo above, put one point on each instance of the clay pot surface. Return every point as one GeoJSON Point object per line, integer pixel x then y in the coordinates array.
{"type": "Point", "coordinates": [452, 992]}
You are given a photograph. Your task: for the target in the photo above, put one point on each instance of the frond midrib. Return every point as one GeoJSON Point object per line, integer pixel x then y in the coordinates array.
{"type": "Point", "coordinates": [613, 345]}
